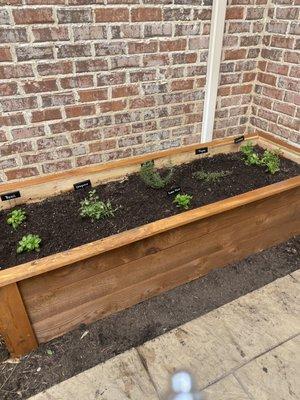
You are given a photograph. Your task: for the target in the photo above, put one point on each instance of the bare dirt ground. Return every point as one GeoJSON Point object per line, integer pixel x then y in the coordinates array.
{"type": "Point", "coordinates": [90, 345]}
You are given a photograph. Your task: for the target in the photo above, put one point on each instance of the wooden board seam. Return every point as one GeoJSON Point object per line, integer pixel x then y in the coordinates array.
{"type": "Point", "coordinates": [103, 283]}
{"type": "Point", "coordinates": [49, 320]}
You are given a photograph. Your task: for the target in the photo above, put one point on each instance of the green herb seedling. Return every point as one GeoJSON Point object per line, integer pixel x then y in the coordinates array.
{"type": "Point", "coordinates": [152, 177]}
{"type": "Point", "coordinates": [16, 218]}
{"type": "Point", "coordinates": [210, 177]}
{"type": "Point", "coordinates": [251, 158]}
{"type": "Point", "coordinates": [183, 201]}
{"type": "Point", "coordinates": [271, 160]}
{"type": "Point", "coordinates": [95, 209]}
{"type": "Point", "coordinates": [29, 243]}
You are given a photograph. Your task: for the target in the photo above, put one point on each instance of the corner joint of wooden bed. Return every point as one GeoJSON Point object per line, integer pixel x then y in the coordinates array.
{"type": "Point", "coordinates": [15, 326]}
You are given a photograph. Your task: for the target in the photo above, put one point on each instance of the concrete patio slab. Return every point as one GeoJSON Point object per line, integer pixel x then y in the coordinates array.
{"type": "Point", "coordinates": [226, 389]}
{"type": "Point", "coordinates": [274, 375]}
{"type": "Point", "coordinates": [224, 349]}
{"type": "Point", "coordinates": [225, 339]}
{"type": "Point", "coordinates": [296, 275]}
{"type": "Point", "coordinates": [120, 378]}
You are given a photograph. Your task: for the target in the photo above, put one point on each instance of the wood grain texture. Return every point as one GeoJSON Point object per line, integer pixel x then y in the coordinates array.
{"type": "Point", "coordinates": [15, 326]}
{"type": "Point", "coordinates": [58, 305]}
{"type": "Point", "coordinates": [100, 270]}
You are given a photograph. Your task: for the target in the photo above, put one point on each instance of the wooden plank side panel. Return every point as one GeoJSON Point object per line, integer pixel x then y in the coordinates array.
{"type": "Point", "coordinates": [127, 297]}
{"type": "Point", "coordinates": [34, 290]}
{"type": "Point", "coordinates": [47, 295]}
{"type": "Point", "coordinates": [128, 284]}
{"type": "Point", "coordinates": [15, 326]}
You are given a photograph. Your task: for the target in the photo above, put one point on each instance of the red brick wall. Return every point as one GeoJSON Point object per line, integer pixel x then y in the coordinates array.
{"type": "Point", "coordinates": [276, 100]}
{"type": "Point", "coordinates": [88, 81]}
{"type": "Point", "coordinates": [244, 29]}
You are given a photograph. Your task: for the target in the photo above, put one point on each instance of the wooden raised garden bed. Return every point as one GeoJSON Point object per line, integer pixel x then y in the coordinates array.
{"type": "Point", "coordinates": [45, 298]}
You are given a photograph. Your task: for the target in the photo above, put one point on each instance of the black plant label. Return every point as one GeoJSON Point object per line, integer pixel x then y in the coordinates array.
{"type": "Point", "coordinates": [239, 139]}
{"type": "Point", "coordinates": [174, 191]}
{"type": "Point", "coordinates": [10, 196]}
{"type": "Point", "coordinates": [201, 150]}
{"type": "Point", "coordinates": [82, 185]}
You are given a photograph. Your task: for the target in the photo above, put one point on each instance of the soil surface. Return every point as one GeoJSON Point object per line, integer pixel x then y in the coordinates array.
{"type": "Point", "coordinates": [90, 345]}
{"type": "Point", "coordinates": [59, 224]}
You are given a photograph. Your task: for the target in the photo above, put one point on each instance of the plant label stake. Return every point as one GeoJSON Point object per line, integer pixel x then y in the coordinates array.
{"type": "Point", "coordinates": [239, 139]}
{"type": "Point", "coordinates": [174, 191]}
{"type": "Point", "coordinates": [201, 150]}
{"type": "Point", "coordinates": [10, 196]}
{"type": "Point", "coordinates": [82, 185]}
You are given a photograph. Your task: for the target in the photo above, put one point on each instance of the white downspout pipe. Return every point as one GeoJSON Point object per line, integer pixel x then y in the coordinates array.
{"type": "Point", "coordinates": [213, 68]}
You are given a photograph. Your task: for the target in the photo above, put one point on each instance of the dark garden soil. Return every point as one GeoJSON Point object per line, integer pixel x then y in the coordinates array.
{"type": "Point", "coordinates": [58, 223]}
{"type": "Point", "coordinates": [90, 345]}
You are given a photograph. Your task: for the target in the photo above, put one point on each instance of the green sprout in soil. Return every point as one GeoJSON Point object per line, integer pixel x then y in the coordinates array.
{"type": "Point", "coordinates": [152, 177]}
{"type": "Point", "coordinates": [96, 209]}
{"type": "Point", "coordinates": [210, 177]}
{"type": "Point", "coordinates": [250, 157]}
{"type": "Point", "coordinates": [29, 243]}
{"type": "Point", "coordinates": [183, 201]}
{"type": "Point", "coordinates": [16, 218]}
{"type": "Point", "coordinates": [269, 159]}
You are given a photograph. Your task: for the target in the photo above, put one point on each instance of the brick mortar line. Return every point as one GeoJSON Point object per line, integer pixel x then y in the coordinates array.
{"type": "Point", "coordinates": [37, 138]}
{"type": "Point", "coordinates": [108, 126]}
{"type": "Point", "coordinates": [75, 157]}
{"type": "Point", "coordinates": [283, 126]}
{"type": "Point", "coordinates": [259, 58]}
{"type": "Point", "coordinates": [222, 105]}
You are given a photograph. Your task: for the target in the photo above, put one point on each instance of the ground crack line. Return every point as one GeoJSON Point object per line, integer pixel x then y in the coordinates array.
{"type": "Point", "coordinates": [145, 365]}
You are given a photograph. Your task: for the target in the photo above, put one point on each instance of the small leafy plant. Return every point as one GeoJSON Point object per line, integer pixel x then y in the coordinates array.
{"type": "Point", "coordinates": [251, 158]}
{"type": "Point", "coordinates": [152, 177]}
{"type": "Point", "coordinates": [29, 243]}
{"type": "Point", "coordinates": [210, 177]}
{"type": "Point", "coordinates": [94, 208]}
{"type": "Point", "coordinates": [16, 218]}
{"type": "Point", "coordinates": [269, 159]}
{"type": "Point", "coordinates": [183, 201]}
